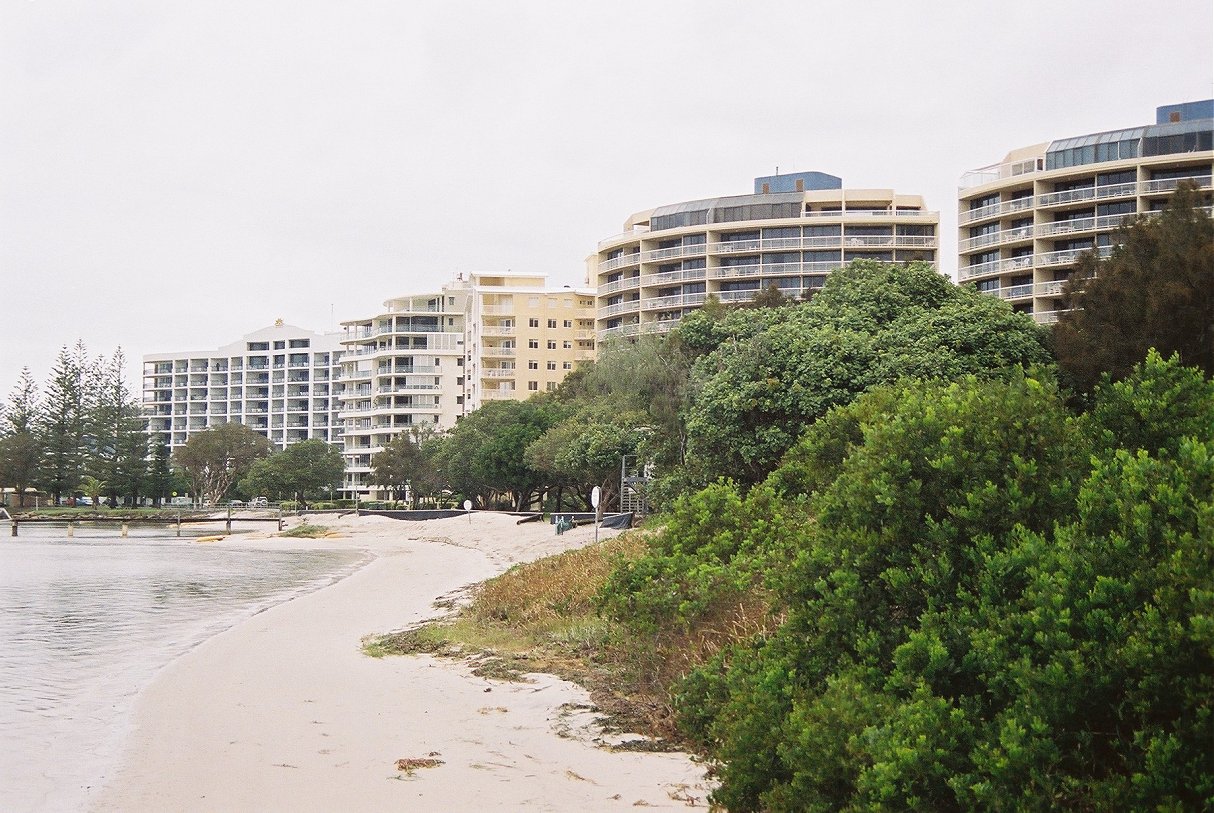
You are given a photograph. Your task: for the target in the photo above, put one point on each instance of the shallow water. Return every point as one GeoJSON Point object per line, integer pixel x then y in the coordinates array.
{"type": "Point", "coordinates": [87, 622]}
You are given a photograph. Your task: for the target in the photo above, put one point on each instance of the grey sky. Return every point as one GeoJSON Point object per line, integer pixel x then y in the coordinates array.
{"type": "Point", "coordinates": [176, 174]}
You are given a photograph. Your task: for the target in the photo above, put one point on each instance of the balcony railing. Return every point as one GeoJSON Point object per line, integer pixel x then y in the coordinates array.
{"type": "Point", "coordinates": [620, 262]}
{"type": "Point", "coordinates": [619, 307]}
{"type": "Point", "coordinates": [620, 285]}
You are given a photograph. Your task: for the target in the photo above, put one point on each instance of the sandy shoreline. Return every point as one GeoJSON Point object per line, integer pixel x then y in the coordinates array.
{"type": "Point", "coordinates": [284, 712]}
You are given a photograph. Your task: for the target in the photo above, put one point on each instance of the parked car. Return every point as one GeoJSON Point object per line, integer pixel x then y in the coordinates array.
{"type": "Point", "coordinates": [259, 502]}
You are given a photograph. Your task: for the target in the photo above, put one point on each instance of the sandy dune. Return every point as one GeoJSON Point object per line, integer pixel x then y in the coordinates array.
{"type": "Point", "coordinates": [284, 712]}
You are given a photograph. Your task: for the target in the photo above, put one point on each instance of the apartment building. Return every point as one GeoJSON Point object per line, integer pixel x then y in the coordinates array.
{"type": "Point", "coordinates": [791, 232]}
{"type": "Point", "coordinates": [403, 369]}
{"type": "Point", "coordinates": [277, 381]}
{"type": "Point", "coordinates": [429, 359]}
{"type": "Point", "coordinates": [1024, 221]}
{"type": "Point", "coordinates": [524, 338]}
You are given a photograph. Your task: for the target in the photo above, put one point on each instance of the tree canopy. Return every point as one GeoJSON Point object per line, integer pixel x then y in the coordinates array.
{"type": "Point", "coordinates": [1155, 290]}
{"type": "Point", "coordinates": [216, 458]}
{"type": "Point", "coordinates": [755, 392]}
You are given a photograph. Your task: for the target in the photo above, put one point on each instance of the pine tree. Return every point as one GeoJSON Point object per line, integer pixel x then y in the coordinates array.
{"type": "Point", "coordinates": [61, 427]}
{"type": "Point", "coordinates": [20, 449]}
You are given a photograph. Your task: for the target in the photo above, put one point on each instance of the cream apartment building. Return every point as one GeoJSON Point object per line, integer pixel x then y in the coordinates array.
{"type": "Point", "coordinates": [428, 359]}
{"type": "Point", "coordinates": [278, 381]}
{"type": "Point", "coordinates": [1024, 221]}
{"type": "Point", "coordinates": [790, 233]}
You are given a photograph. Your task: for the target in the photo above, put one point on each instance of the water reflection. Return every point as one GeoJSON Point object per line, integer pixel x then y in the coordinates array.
{"type": "Point", "coordinates": [85, 623]}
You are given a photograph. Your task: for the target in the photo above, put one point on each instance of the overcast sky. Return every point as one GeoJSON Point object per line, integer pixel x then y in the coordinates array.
{"type": "Point", "coordinates": [176, 174]}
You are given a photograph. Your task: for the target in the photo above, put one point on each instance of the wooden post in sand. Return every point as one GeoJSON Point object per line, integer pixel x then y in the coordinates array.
{"type": "Point", "coordinates": [125, 528]}
{"type": "Point", "coordinates": [71, 530]}
{"type": "Point", "coordinates": [228, 526]}
{"type": "Point", "coordinates": [179, 523]}
{"type": "Point", "coordinates": [14, 527]}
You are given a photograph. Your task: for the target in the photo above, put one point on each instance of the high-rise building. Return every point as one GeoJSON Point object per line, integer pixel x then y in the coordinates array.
{"type": "Point", "coordinates": [1024, 221]}
{"type": "Point", "coordinates": [403, 369]}
{"type": "Point", "coordinates": [524, 338]}
{"type": "Point", "coordinates": [790, 233]}
{"type": "Point", "coordinates": [428, 359]}
{"type": "Point", "coordinates": [277, 381]}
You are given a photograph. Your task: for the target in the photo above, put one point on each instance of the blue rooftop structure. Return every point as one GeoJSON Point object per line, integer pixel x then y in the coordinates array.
{"type": "Point", "coordinates": [796, 182]}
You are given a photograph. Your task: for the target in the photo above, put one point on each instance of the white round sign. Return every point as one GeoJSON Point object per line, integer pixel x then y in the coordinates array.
{"type": "Point", "coordinates": [467, 505]}
{"type": "Point", "coordinates": [594, 497]}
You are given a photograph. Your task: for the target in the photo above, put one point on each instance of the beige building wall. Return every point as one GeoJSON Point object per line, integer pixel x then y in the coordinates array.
{"type": "Point", "coordinates": [524, 337]}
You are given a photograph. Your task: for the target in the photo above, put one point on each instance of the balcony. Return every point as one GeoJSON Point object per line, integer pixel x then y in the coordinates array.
{"type": "Point", "coordinates": [499, 372]}
{"type": "Point", "coordinates": [619, 307]}
{"type": "Point", "coordinates": [1068, 256]}
{"type": "Point", "coordinates": [619, 262]}
{"type": "Point", "coordinates": [678, 301]}
{"type": "Point", "coordinates": [499, 351]}
{"type": "Point", "coordinates": [621, 285]}
{"type": "Point", "coordinates": [1119, 190]}
{"type": "Point", "coordinates": [1005, 207]}
{"type": "Point", "coordinates": [659, 254]}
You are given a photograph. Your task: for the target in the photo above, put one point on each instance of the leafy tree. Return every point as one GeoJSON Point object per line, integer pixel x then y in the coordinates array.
{"type": "Point", "coordinates": [980, 614]}
{"type": "Point", "coordinates": [1156, 290]}
{"type": "Point", "coordinates": [214, 459]}
{"type": "Point", "coordinates": [305, 469]}
{"type": "Point", "coordinates": [585, 450]}
{"type": "Point", "coordinates": [312, 468]}
{"type": "Point", "coordinates": [406, 463]}
{"type": "Point", "coordinates": [483, 455]}
{"type": "Point", "coordinates": [871, 324]}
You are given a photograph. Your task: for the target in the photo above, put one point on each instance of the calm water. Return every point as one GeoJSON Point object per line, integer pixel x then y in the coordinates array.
{"type": "Point", "coordinates": [85, 623]}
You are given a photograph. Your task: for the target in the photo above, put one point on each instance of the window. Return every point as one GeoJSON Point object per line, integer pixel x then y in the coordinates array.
{"type": "Point", "coordinates": [533, 344]}
{"type": "Point", "coordinates": [568, 345]}
{"type": "Point", "coordinates": [533, 365]}
{"type": "Point", "coordinates": [551, 323]}
{"type": "Point", "coordinates": [533, 385]}
{"type": "Point", "coordinates": [552, 365]}
{"type": "Point", "coordinates": [568, 323]}
{"type": "Point", "coordinates": [551, 386]}
{"type": "Point", "coordinates": [566, 365]}
{"type": "Point", "coordinates": [533, 323]}
{"type": "Point", "coordinates": [551, 344]}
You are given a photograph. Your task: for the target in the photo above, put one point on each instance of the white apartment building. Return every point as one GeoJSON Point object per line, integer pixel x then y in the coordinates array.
{"type": "Point", "coordinates": [790, 233]}
{"type": "Point", "coordinates": [428, 359]}
{"type": "Point", "coordinates": [277, 381]}
{"type": "Point", "coordinates": [1024, 221]}
{"type": "Point", "coordinates": [403, 369]}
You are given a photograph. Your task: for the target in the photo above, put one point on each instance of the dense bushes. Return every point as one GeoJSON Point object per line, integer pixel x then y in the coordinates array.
{"type": "Point", "coordinates": [986, 603]}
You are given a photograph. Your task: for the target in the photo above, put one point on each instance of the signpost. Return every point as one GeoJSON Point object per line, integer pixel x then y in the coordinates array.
{"type": "Point", "coordinates": [468, 508]}
{"type": "Point", "coordinates": [594, 502]}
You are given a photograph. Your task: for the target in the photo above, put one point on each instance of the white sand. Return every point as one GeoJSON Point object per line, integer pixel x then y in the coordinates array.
{"type": "Point", "coordinates": [284, 711]}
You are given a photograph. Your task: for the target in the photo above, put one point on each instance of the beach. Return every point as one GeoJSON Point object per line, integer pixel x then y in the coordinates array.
{"type": "Point", "coordinates": [285, 712]}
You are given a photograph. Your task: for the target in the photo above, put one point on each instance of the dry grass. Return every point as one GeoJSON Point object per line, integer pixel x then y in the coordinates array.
{"type": "Point", "coordinates": [541, 617]}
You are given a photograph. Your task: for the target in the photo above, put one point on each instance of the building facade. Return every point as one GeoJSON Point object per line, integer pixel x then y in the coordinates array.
{"type": "Point", "coordinates": [1024, 222]}
{"type": "Point", "coordinates": [429, 359]}
{"type": "Point", "coordinates": [277, 381]}
{"type": "Point", "coordinates": [524, 338]}
{"type": "Point", "coordinates": [791, 232]}
{"type": "Point", "coordinates": [403, 370]}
